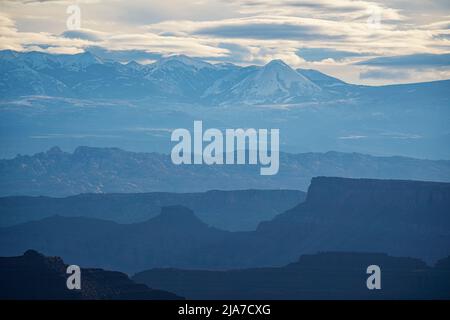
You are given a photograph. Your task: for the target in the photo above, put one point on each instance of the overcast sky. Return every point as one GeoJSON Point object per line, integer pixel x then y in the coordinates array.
{"type": "Point", "coordinates": [368, 42]}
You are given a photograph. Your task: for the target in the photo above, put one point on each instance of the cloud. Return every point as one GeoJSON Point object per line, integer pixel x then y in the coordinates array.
{"type": "Point", "coordinates": [352, 137]}
{"type": "Point", "coordinates": [270, 29]}
{"type": "Point", "coordinates": [419, 12]}
{"type": "Point", "coordinates": [12, 38]}
{"type": "Point", "coordinates": [262, 28]}
{"type": "Point", "coordinates": [383, 74]}
{"type": "Point", "coordinates": [237, 53]}
{"type": "Point", "coordinates": [73, 136]}
{"type": "Point", "coordinates": [319, 54]}
{"type": "Point", "coordinates": [81, 34]}
{"type": "Point", "coordinates": [401, 135]}
{"type": "Point", "coordinates": [412, 60]}
{"type": "Point", "coordinates": [342, 10]}
{"type": "Point", "coordinates": [345, 36]}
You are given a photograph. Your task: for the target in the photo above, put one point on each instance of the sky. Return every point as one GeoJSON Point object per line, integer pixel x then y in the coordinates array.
{"type": "Point", "coordinates": [363, 42]}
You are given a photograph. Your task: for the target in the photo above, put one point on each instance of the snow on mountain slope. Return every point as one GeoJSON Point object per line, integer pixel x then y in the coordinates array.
{"type": "Point", "coordinates": [176, 77]}
{"type": "Point", "coordinates": [183, 76]}
{"type": "Point", "coordinates": [176, 61]}
{"type": "Point", "coordinates": [19, 79]}
{"type": "Point", "coordinates": [276, 82]}
{"type": "Point", "coordinates": [40, 60]}
{"type": "Point", "coordinates": [320, 78]}
{"type": "Point", "coordinates": [277, 77]}
{"type": "Point", "coordinates": [79, 61]}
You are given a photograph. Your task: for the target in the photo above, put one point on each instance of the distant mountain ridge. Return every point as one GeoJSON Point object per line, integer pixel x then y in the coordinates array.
{"type": "Point", "coordinates": [112, 170]}
{"type": "Point", "coordinates": [73, 100]}
{"type": "Point", "coordinates": [175, 78]}
{"type": "Point", "coordinates": [401, 218]}
{"type": "Point", "coordinates": [237, 210]}
{"type": "Point", "coordinates": [174, 237]}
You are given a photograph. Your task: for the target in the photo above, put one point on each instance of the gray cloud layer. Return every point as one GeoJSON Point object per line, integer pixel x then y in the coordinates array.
{"type": "Point", "coordinates": [412, 60]}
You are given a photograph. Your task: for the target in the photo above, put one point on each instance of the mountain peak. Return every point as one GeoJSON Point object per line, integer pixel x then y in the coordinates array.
{"type": "Point", "coordinates": [177, 211]}
{"type": "Point", "coordinates": [96, 152]}
{"type": "Point", "coordinates": [185, 60]}
{"type": "Point", "coordinates": [30, 253]}
{"type": "Point", "coordinates": [84, 59]}
{"type": "Point", "coordinates": [277, 63]}
{"type": "Point", "coordinates": [178, 215]}
{"type": "Point", "coordinates": [133, 64]}
{"type": "Point", "coordinates": [275, 82]}
{"type": "Point", "coordinates": [54, 150]}
{"type": "Point", "coordinates": [280, 68]}
{"type": "Point", "coordinates": [8, 54]}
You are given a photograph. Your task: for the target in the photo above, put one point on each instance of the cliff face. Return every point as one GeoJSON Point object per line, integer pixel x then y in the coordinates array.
{"type": "Point", "coordinates": [34, 276]}
{"type": "Point", "coordinates": [393, 216]}
{"type": "Point", "coordinates": [329, 192]}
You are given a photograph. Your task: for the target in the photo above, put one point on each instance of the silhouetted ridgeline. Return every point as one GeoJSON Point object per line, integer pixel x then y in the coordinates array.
{"type": "Point", "coordinates": [34, 276]}
{"type": "Point", "coordinates": [401, 218]}
{"type": "Point", "coordinates": [176, 237]}
{"type": "Point", "coordinates": [228, 210]}
{"type": "Point", "coordinates": [111, 170]}
{"type": "Point", "coordinates": [332, 275]}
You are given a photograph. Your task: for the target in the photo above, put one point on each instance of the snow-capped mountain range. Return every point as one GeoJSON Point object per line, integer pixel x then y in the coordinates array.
{"type": "Point", "coordinates": [72, 100]}
{"type": "Point", "coordinates": [177, 77]}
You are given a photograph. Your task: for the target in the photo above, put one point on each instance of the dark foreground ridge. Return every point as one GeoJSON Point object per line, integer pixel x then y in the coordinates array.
{"type": "Point", "coordinates": [34, 276]}
{"type": "Point", "coordinates": [332, 275]}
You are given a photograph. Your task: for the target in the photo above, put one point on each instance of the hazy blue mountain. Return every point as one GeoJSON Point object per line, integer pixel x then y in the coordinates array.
{"type": "Point", "coordinates": [228, 210]}
{"type": "Point", "coordinates": [398, 217]}
{"type": "Point", "coordinates": [32, 276]}
{"type": "Point", "coordinates": [111, 170]}
{"type": "Point", "coordinates": [330, 275]}
{"type": "Point", "coordinates": [176, 237]}
{"type": "Point", "coordinates": [72, 100]}
{"type": "Point", "coordinates": [401, 218]}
